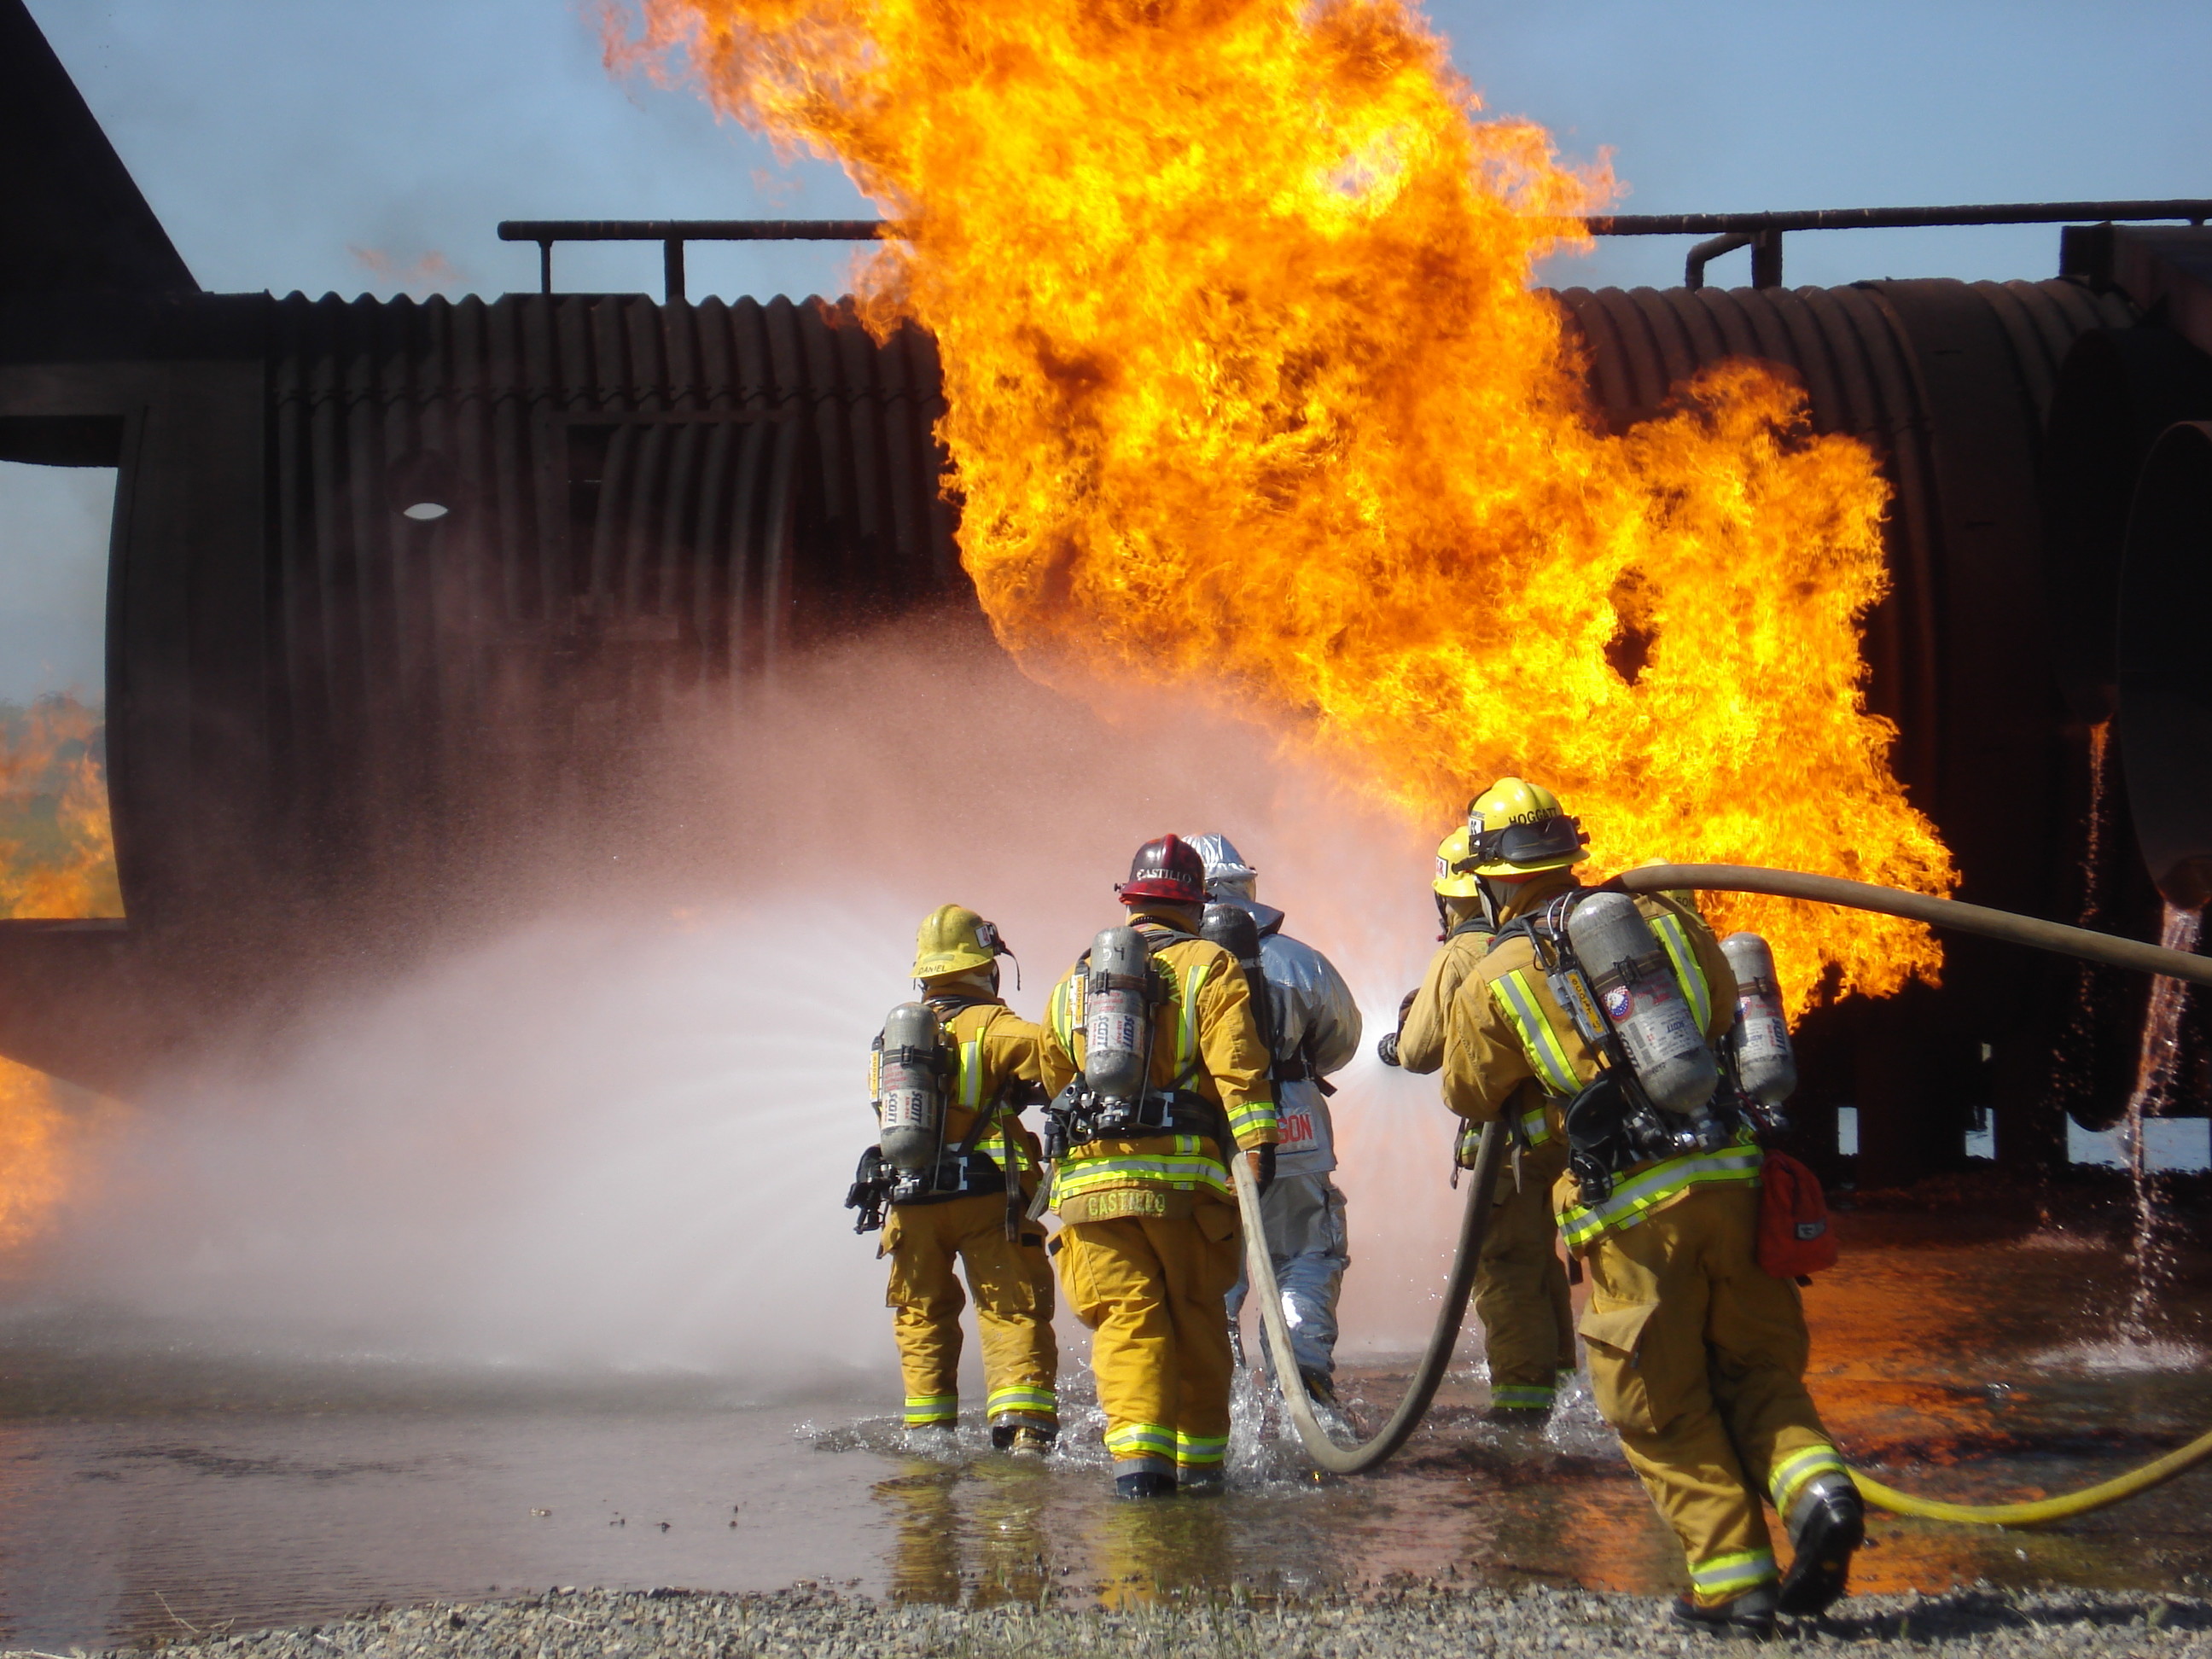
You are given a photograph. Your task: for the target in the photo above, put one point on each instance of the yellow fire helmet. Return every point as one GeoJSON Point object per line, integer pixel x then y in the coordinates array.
{"type": "Point", "coordinates": [1516, 829]}
{"type": "Point", "coordinates": [953, 940]}
{"type": "Point", "coordinates": [1450, 882]}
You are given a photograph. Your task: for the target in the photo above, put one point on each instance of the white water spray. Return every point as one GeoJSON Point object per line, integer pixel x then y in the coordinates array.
{"type": "Point", "coordinates": [618, 1139]}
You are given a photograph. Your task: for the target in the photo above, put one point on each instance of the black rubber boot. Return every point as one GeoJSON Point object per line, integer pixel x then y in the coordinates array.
{"type": "Point", "coordinates": [1144, 1485]}
{"type": "Point", "coordinates": [1200, 1483]}
{"type": "Point", "coordinates": [1751, 1613]}
{"type": "Point", "coordinates": [1321, 1387]}
{"type": "Point", "coordinates": [1826, 1523]}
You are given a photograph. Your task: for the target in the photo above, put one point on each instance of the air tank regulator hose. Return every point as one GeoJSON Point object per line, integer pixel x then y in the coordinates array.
{"type": "Point", "coordinates": [1421, 1387]}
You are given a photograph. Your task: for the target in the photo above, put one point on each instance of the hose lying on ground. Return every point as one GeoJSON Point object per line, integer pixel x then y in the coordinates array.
{"type": "Point", "coordinates": [2041, 1512]}
{"type": "Point", "coordinates": [1421, 1387]}
{"type": "Point", "coordinates": [2081, 942]}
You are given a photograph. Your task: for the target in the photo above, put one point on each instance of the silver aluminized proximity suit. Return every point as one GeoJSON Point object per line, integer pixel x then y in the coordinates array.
{"type": "Point", "coordinates": [1316, 1025]}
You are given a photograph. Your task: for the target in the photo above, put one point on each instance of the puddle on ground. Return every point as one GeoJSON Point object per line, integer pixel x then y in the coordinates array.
{"type": "Point", "coordinates": [150, 1488]}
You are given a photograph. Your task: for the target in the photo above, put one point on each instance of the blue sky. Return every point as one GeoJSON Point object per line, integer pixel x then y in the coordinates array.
{"type": "Point", "coordinates": [372, 146]}
{"type": "Point", "coordinates": [274, 137]}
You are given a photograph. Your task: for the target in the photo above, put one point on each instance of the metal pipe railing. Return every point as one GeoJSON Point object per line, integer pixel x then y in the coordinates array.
{"type": "Point", "coordinates": [2196, 209]}
{"type": "Point", "coordinates": [1760, 232]}
{"type": "Point", "coordinates": [673, 234]}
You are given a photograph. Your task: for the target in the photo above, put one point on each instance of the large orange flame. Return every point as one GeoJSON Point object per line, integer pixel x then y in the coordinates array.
{"type": "Point", "coordinates": [57, 849]}
{"type": "Point", "coordinates": [56, 861]}
{"type": "Point", "coordinates": [43, 1130]}
{"type": "Point", "coordinates": [1250, 393]}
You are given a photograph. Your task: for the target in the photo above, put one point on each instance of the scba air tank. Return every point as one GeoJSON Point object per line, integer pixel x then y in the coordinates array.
{"type": "Point", "coordinates": [1115, 1018]}
{"type": "Point", "coordinates": [1232, 927]}
{"type": "Point", "coordinates": [1630, 976]}
{"type": "Point", "coordinates": [910, 1088]}
{"type": "Point", "coordinates": [1766, 1063]}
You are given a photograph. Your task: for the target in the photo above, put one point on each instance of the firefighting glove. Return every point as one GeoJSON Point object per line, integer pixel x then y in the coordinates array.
{"type": "Point", "coordinates": [1469, 1142]}
{"type": "Point", "coordinates": [1266, 1178]}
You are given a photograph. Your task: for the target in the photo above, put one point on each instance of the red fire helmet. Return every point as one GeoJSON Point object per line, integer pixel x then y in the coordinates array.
{"type": "Point", "coordinates": [1167, 868]}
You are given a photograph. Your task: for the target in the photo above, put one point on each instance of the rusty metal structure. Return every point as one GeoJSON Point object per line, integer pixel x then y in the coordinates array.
{"type": "Point", "coordinates": [390, 579]}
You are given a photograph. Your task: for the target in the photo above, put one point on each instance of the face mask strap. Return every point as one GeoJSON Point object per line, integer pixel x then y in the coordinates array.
{"type": "Point", "coordinates": [989, 938]}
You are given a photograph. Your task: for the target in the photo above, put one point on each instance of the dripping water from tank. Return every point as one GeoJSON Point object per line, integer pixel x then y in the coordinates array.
{"type": "Point", "coordinates": [2078, 1038]}
{"type": "Point", "coordinates": [2101, 736]}
{"type": "Point", "coordinates": [2152, 1256]}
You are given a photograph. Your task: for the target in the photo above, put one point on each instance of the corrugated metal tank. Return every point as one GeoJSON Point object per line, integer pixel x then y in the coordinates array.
{"type": "Point", "coordinates": [643, 507]}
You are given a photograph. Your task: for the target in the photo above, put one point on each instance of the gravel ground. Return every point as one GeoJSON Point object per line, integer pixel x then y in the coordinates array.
{"type": "Point", "coordinates": [816, 1624]}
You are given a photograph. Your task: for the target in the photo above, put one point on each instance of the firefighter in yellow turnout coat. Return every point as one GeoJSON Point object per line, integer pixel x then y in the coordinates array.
{"type": "Point", "coordinates": [1520, 1285]}
{"type": "Point", "coordinates": [994, 1072]}
{"type": "Point", "coordinates": [1149, 1242]}
{"type": "Point", "coordinates": [1696, 1355]}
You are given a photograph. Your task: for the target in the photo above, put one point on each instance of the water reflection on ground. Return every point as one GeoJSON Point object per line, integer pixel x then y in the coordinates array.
{"type": "Point", "coordinates": [149, 1487]}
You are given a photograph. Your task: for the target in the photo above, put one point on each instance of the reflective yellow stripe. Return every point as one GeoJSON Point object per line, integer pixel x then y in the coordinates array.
{"type": "Point", "coordinates": [1791, 1473]}
{"type": "Point", "coordinates": [1547, 1056]}
{"type": "Point", "coordinates": [1537, 1125]}
{"type": "Point", "coordinates": [1182, 1173]}
{"type": "Point", "coordinates": [1187, 1027]}
{"type": "Point", "coordinates": [1072, 1032]}
{"type": "Point", "coordinates": [1184, 1169]}
{"type": "Point", "coordinates": [932, 1408]}
{"type": "Point", "coordinates": [1022, 1398]}
{"type": "Point", "coordinates": [1647, 1188]}
{"type": "Point", "coordinates": [1137, 1439]}
{"type": "Point", "coordinates": [1733, 1573]}
{"type": "Point", "coordinates": [1003, 1148]}
{"type": "Point", "coordinates": [1197, 1451]}
{"type": "Point", "coordinates": [994, 1141]}
{"type": "Point", "coordinates": [1255, 1115]}
{"type": "Point", "coordinates": [1524, 1396]}
{"type": "Point", "coordinates": [1685, 958]}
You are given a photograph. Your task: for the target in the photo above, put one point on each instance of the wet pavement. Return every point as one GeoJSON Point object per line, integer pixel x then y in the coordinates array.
{"type": "Point", "coordinates": [150, 1486]}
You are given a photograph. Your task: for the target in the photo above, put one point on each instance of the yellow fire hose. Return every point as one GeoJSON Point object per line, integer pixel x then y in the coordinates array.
{"type": "Point", "coordinates": [1780, 883]}
{"type": "Point", "coordinates": [2042, 1510]}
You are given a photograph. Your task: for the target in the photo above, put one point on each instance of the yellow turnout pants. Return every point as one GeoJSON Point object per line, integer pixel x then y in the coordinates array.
{"type": "Point", "coordinates": [1151, 1290]}
{"type": "Point", "coordinates": [1697, 1359]}
{"type": "Point", "coordinates": [1012, 1285]}
{"type": "Point", "coordinates": [1521, 1285]}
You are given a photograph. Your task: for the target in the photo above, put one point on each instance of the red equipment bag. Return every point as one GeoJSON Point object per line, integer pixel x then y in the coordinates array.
{"type": "Point", "coordinates": [1794, 1238]}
